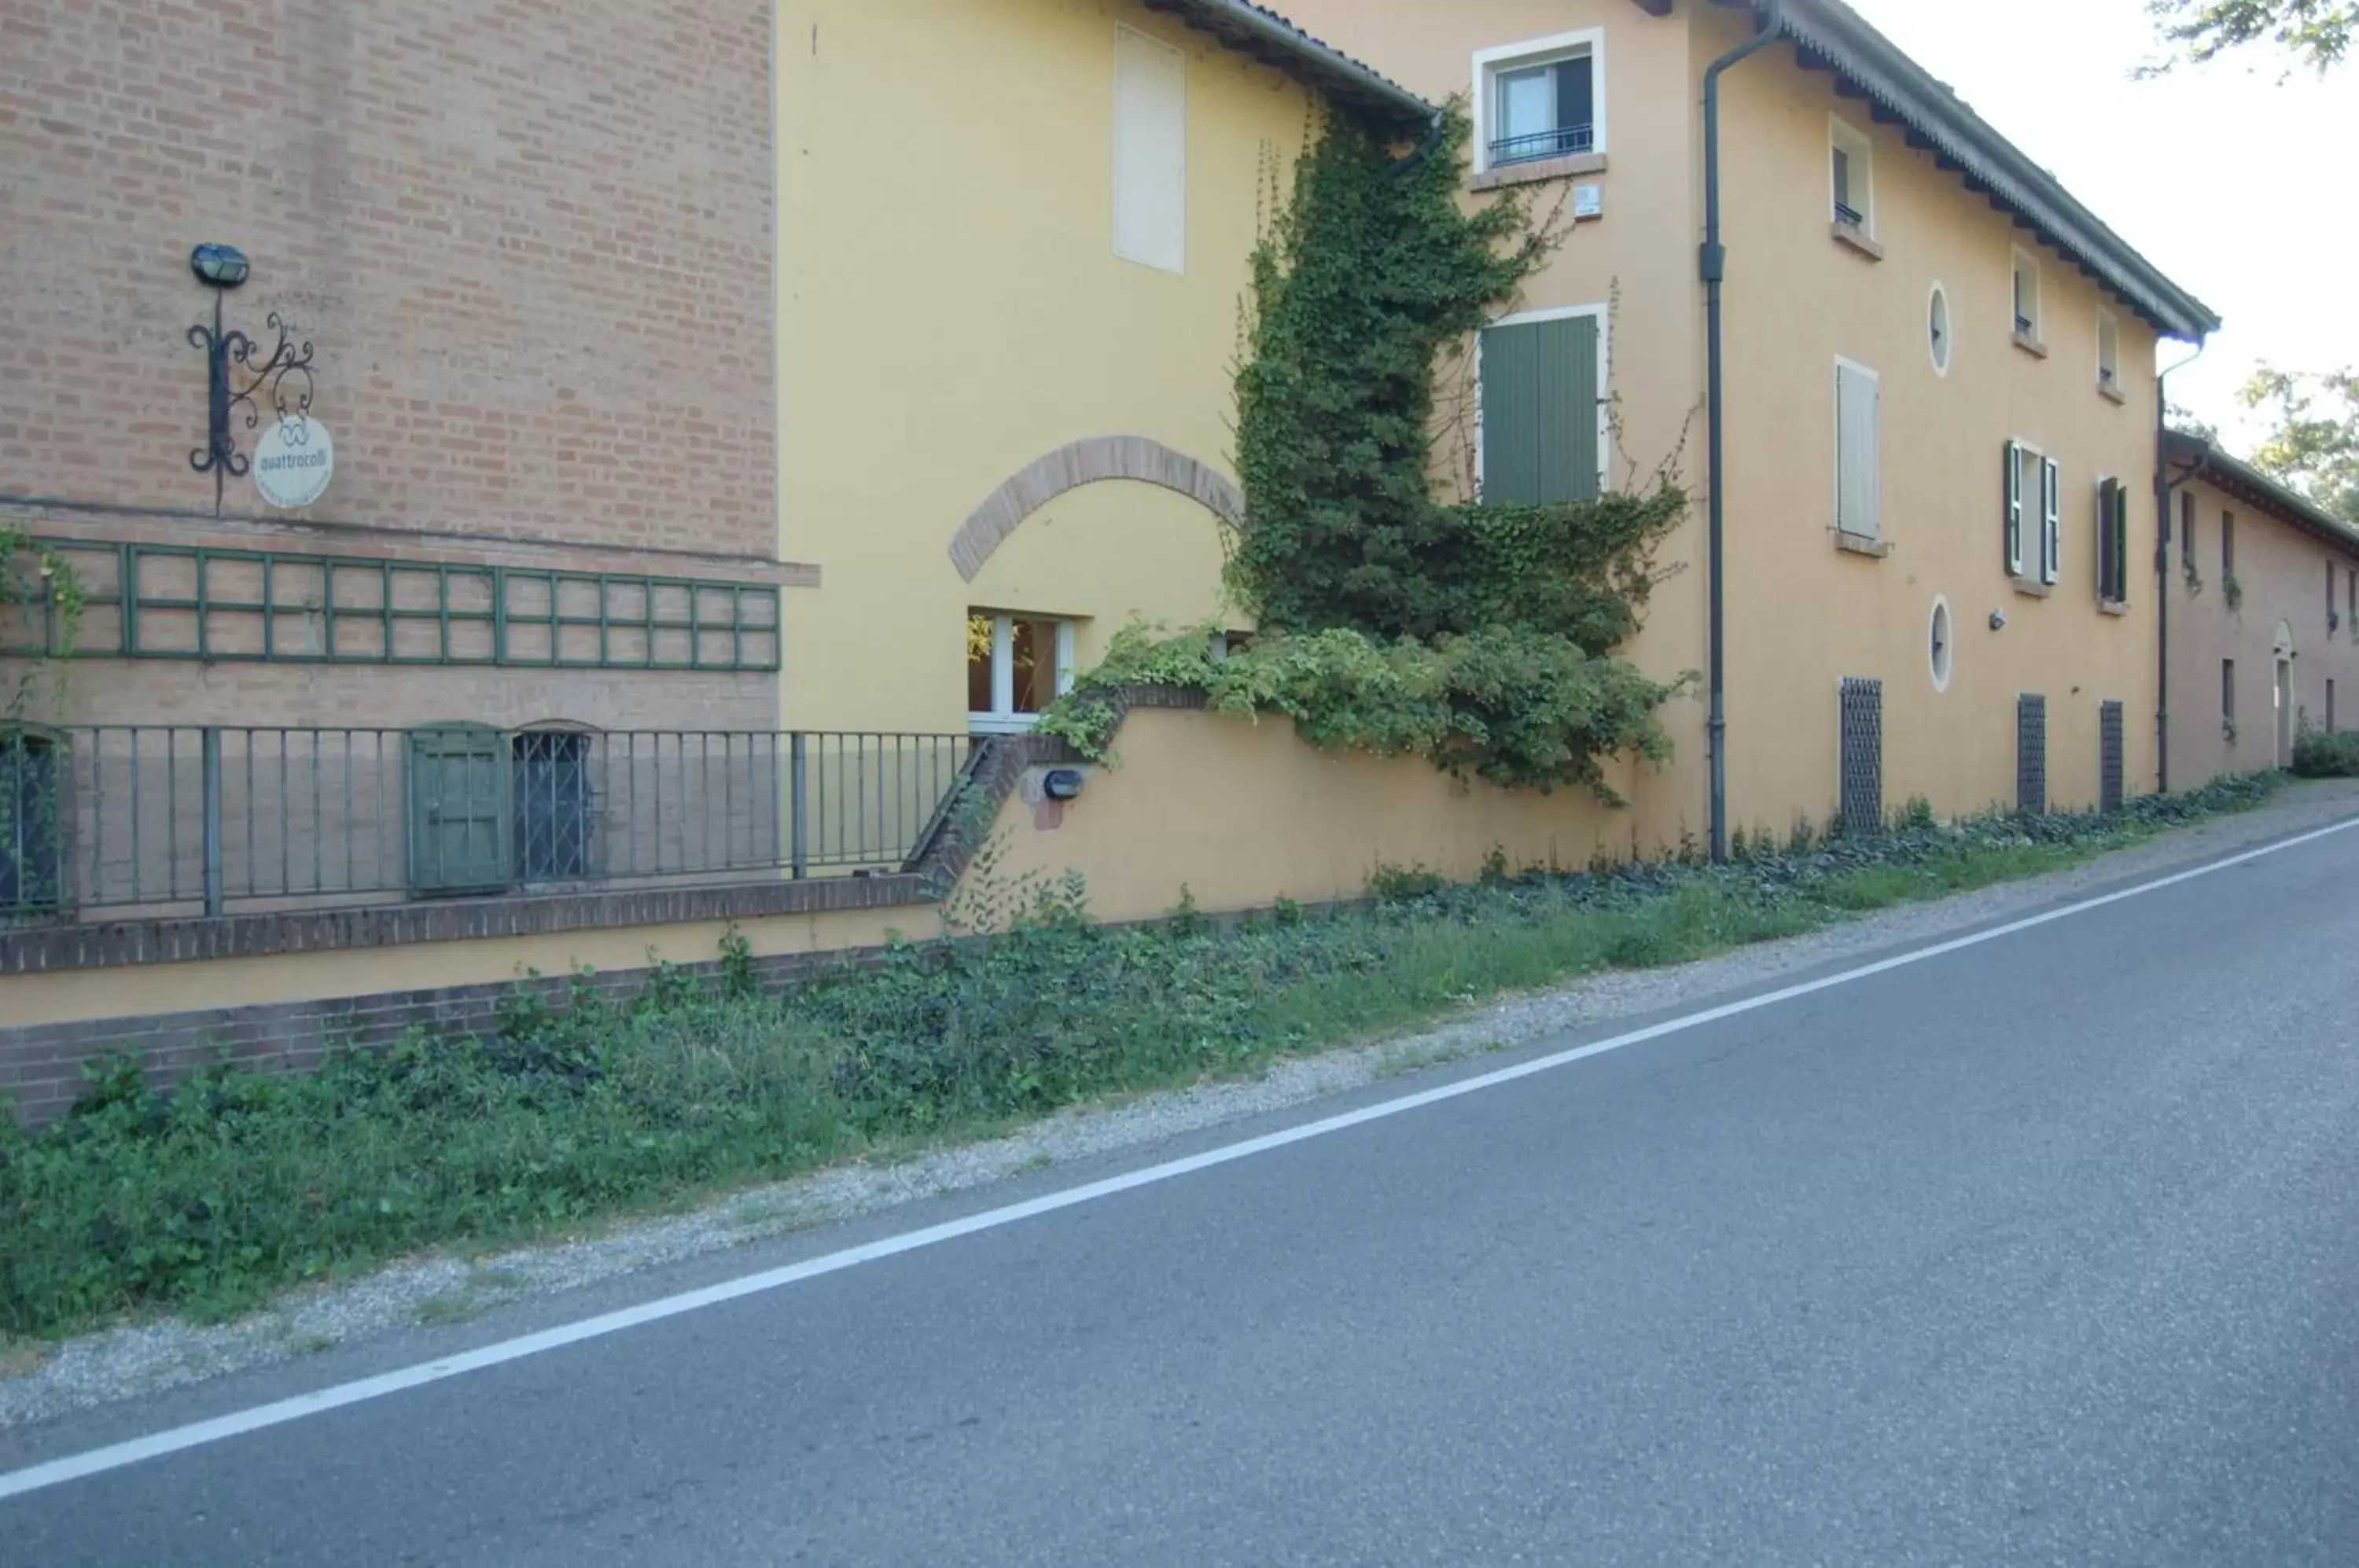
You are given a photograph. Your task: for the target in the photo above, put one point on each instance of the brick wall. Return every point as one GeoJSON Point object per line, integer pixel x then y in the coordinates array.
{"type": "Point", "coordinates": [41, 1067]}
{"type": "Point", "coordinates": [530, 239]}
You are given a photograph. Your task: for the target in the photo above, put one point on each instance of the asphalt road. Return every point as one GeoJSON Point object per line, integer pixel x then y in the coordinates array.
{"type": "Point", "coordinates": [2046, 1250]}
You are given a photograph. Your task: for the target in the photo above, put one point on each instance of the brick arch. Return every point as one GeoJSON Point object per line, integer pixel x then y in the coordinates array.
{"type": "Point", "coordinates": [1089, 462]}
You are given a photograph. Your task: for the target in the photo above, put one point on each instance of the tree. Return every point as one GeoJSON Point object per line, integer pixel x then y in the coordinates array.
{"type": "Point", "coordinates": [2316, 33]}
{"type": "Point", "coordinates": [2313, 443]}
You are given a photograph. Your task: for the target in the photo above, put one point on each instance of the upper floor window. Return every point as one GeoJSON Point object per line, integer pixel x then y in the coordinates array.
{"type": "Point", "coordinates": [1541, 99]}
{"type": "Point", "coordinates": [1859, 460]}
{"type": "Point", "coordinates": [2109, 353]}
{"type": "Point", "coordinates": [2033, 520]}
{"type": "Point", "coordinates": [1150, 151]}
{"type": "Point", "coordinates": [2227, 544]}
{"type": "Point", "coordinates": [1937, 336]}
{"type": "Point", "coordinates": [2026, 296]}
{"type": "Point", "coordinates": [1541, 385]}
{"type": "Point", "coordinates": [1851, 158]}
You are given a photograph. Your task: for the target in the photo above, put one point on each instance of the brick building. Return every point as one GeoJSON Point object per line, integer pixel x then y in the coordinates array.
{"type": "Point", "coordinates": [529, 247]}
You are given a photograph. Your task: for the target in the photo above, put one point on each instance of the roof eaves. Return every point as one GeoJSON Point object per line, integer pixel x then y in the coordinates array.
{"type": "Point", "coordinates": [1258, 31]}
{"type": "Point", "coordinates": [2289, 506]}
{"type": "Point", "coordinates": [1938, 121]}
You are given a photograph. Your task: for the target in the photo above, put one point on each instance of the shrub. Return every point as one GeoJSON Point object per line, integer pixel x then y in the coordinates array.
{"type": "Point", "coordinates": [2316, 754]}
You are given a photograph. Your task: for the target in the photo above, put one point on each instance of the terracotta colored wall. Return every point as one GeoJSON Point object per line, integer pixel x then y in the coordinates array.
{"type": "Point", "coordinates": [2282, 572]}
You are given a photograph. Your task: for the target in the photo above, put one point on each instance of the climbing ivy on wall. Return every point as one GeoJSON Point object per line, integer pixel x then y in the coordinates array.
{"type": "Point", "coordinates": [1392, 619]}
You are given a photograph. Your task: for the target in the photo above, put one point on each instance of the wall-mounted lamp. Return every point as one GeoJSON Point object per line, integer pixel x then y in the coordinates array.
{"type": "Point", "coordinates": [1998, 620]}
{"type": "Point", "coordinates": [232, 358]}
{"type": "Point", "coordinates": [1063, 784]}
{"type": "Point", "coordinates": [219, 266]}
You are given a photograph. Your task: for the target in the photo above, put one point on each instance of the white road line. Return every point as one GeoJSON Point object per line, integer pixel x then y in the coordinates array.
{"type": "Point", "coordinates": [197, 1435]}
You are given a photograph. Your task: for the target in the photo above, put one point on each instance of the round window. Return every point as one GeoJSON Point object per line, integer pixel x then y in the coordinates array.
{"type": "Point", "coordinates": [1937, 329]}
{"type": "Point", "coordinates": [1939, 649]}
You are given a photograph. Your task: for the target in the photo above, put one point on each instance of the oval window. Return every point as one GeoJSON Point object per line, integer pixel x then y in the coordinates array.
{"type": "Point", "coordinates": [1940, 650]}
{"type": "Point", "coordinates": [1937, 329]}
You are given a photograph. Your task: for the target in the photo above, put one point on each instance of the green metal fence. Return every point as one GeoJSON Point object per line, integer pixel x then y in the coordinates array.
{"type": "Point", "coordinates": [178, 818]}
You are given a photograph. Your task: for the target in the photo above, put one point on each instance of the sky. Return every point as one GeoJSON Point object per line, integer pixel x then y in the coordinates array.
{"type": "Point", "coordinates": [2238, 187]}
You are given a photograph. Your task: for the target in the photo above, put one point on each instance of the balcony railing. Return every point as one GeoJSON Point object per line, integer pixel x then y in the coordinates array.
{"type": "Point", "coordinates": [1849, 216]}
{"type": "Point", "coordinates": [181, 820]}
{"type": "Point", "coordinates": [1563, 142]}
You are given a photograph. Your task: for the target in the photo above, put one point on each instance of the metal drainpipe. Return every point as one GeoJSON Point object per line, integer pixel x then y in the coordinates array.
{"type": "Point", "coordinates": [2163, 487]}
{"type": "Point", "coordinates": [1769, 22]}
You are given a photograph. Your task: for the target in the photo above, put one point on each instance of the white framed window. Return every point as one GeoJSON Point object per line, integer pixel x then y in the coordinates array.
{"type": "Point", "coordinates": [1540, 99]}
{"type": "Point", "coordinates": [1859, 456]}
{"type": "Point", "coordinates": [1938, 338]}
{"type": "Point", "coordinates": [2026, 294]}
{"type": "Point", "coordinates": [1543, 406]}
{"type": "Point", "coordinates": [1852, 174]}
{"type": "Point", "coordinates": [2109, 352]}
{"type": "Point", "coordinates": [1015, 666]}
{"type": "Point", "coordinates": [1150, 151]}
{"type": "Point", "coordinates": [2034, 534]}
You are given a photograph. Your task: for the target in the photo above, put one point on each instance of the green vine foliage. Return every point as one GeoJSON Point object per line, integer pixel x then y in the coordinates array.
{"type": "Point", "coordinates": [1392, 620]}
{"type": "Point", "coordinates": [41, 600]}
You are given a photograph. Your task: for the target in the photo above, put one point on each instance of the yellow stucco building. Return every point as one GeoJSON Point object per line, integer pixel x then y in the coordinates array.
{"type": "Point", "coordinates": [1006, 333]}
{"type": "Point", "coordinates": [1938, 411]}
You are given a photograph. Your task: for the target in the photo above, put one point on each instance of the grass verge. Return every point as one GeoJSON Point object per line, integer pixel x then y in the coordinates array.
{"type": "Point", "coordinates": [211, 1198]}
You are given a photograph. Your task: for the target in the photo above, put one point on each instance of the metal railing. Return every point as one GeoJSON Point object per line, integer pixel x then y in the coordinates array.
{"type": "Point", "coordinates": [174, 819]}
{"type": "Point", "coordinates": [1563, 142]}
{"type": "Point", "coordinates": [1849, 216]}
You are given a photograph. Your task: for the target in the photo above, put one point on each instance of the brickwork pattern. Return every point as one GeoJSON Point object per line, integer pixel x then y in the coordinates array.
{"type": "Point", "coordinates": [531, 240]}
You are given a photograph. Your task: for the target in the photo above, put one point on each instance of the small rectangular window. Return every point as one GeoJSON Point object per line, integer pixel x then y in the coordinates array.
{"type": "Point", "coordinates": [1015, 666]}
{"type": "Point", "coordinates": [2109, 352]}
{"type": "Point", "coordinates": [2330, 706]}
{"type": "Point", "coordinates": [551, 800]}
{"type": "Point", "coordinates": [2227, 544]}
{"type": "Point", "coordinates": [2026, 296]}
{"type": "Point", "coordinates": [1853, 159]}
{"type": "Point", "coordinates": [2228, 689]}
{"type": "Point", "coordinates": [1544, 111]}
{"type": "Point", "coordinates": [1859, 462]}
{"type": "Point", "coordinates": [2187, 529]}
{"type": "Point", "coordinates": [1541, 99]}
{"type": "Point", "coordinates": [2333, 620]}
{"type": "Point", "coordinates": [2033, 514]}
{"type": "Point", "coordinates": [1150, 152]}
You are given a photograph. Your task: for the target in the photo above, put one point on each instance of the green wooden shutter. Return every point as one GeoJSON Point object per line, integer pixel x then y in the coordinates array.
{"type": "Point", "coordinates": [2052, 532]}
{"type": "Point", "coordinates": [1539, 412]}
{"type": "Point", "coordinates": [2109, 554]}
{"type": "Point", "coordinates": [2121, 523]}
{"type": "Point", "coordinates": [456, 785]}
{"type": "Point", "coordinates": [2011, 508]}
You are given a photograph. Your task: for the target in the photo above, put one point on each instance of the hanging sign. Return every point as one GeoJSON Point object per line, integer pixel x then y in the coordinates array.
{"type": "Point", "coordinates": [293, 462]}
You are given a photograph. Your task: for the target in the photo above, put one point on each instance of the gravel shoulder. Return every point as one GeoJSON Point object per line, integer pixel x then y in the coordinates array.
{"type": "Point", "coordinates": [147, 1358]}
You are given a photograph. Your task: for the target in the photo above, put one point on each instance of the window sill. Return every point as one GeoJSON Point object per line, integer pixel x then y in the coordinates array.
{"type": "Point", "coordinates": [2031, 345]}
{"type": "Point", "coordinates": [2113, 607]}
{"type": "Point", "coordinates": [2033, 589]}
{"type": "Point", "coordinates": [1537, 169]}
{"type": "Point", "coordinates": [2111, 393]}
{"type": "Point", "coordinates": [1857, 238]}
{"type": "Point", "coordinates": [1863, 544]}
{"type": "Point", "coordinates": [1001, 724]}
